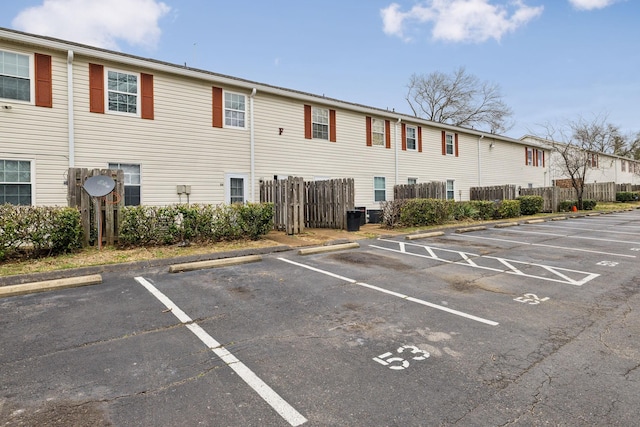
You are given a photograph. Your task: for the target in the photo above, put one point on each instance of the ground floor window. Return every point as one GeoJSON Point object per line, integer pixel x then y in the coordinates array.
{"type": "Point", "coordinates": [131, 182]}
{"type": "Point", "coordinates": [451, 194]}
{"type": "Point", "coordinates": [379, 189]}
{"type": "Point", "coordinates": [15, 182]}
{"type": "Point", "coordinates": [236, 188]}
{"type": "Point", "coordinates": [412, 181]}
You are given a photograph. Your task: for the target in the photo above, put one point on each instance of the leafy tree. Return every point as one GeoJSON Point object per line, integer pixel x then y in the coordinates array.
{"type": "Point", "coordinates": [458, 99]}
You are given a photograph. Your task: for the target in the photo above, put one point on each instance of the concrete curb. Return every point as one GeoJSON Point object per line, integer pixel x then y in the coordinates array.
{"type": "Point", "coordinates": [506, 224]}
{"type": "Point", "coordinates": [469, 229]}
{"type": "Point", "coordinates": [224, 262]}
{"type": "Point", "coordinates": [49, 285]}
{"type": "Point", "coordinates": [535, 221]}
{"type": "Point", "coordinates": [424, 235]}
{"type": "Point", "coordinates": [559, 218]}
{"type": "Point", "coordinates": [331, 248]}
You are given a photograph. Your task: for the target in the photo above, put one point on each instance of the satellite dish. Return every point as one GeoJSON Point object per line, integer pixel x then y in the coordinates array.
{"type": "Point", "coordinates": [99, 185]}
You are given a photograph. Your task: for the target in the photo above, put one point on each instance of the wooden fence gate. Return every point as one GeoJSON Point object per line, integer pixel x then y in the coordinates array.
{"type": "Point", "coordinates": [109, 205]}
{"type": "Point", "coordinates": [315, 204]}
{"type": "Point", "coordinates": [498, 192]}
{"type": "Point", "coordinates": [423, 190]}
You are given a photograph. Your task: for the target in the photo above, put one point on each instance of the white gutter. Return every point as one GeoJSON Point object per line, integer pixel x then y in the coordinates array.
{"type": "Point", "coordinates": [397, 154]}
{"type": "Point", "coordinates": [70, 117]}
{"type": "Point", "coordinates": [253, 146]}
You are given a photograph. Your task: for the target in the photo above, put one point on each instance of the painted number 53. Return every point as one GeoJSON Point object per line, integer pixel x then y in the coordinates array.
{"type": "Point", "coordinates": [397, 363]}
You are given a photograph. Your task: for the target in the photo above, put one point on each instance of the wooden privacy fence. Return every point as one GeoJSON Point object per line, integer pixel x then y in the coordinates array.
{"type": "Point", "coordinates": [109, 205]}
{"type": "Point", "coordinates": [600, 192]}
{"type": "Point", "coordinates": [627, 187]}
{"type": "Point", "coordinates": [423, 190]}
{"type": "Point", "coordinates": [499, 192]}
{"type": "Point", "coordinates": [315, 204]}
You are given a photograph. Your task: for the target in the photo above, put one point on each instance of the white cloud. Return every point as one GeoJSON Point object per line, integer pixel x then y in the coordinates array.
{"type": "Point", "coordinates": [459, 20]}
{"type": "Point", "coordinates": [591, 4]}
{"type": "Point", "coordinates": [100, 23]}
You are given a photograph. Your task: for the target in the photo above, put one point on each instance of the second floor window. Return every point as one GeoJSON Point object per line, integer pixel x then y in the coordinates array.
{"type": "Point", "coordinates": [320, 123]}
{"type": "Point", "coordinates": [234, 110]}
{"type": "Point", "coordinates": [450, 144]}
{"type": "Point", "coordinates": [122, 92]}
{"type": "Point", "coordinates": [377, 132]}
{"type": "Point", "coordinates": [411, 138]}
{"type": "Point", "coordinates": [15, 77]}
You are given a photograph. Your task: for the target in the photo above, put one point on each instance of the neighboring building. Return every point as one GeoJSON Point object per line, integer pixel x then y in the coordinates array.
{"type": "Point", "coordinates": [65, 105]}
{"type": "Point", "coordinates": [602, 167]}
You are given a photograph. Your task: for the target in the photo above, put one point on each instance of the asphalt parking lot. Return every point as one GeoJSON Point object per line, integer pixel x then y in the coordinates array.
{"type": "Point", "coordinates": [535, 324]}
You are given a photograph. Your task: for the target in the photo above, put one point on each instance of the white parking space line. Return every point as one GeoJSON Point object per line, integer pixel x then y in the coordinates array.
{"type": "Point", "coordinates": [544, 245]}
{"type": "Point", "coordinates": [561, 274]}
{"type": "Point", "coordinates": [566, 227]}
{"type": "Point", "coordinates": [393, 293]}
{"type": "Point", "coordinates": [285, 410]}
{"type": "Point", "coordinates": [568, 236]}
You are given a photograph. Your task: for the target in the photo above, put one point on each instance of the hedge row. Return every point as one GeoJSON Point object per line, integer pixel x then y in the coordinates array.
{"type": "Point", "coordinates": [627, 196]}
{"type": "Point", "coordinates": [424, 212]}
{"type": "Point", "coordinates": [150, 225]}
{"type": "Point", "coordinates": [567, 205]}
{"type": "Point", "coordinates": [32, 231]}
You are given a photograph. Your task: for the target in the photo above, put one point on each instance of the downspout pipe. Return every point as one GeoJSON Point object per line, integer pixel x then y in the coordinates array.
{"type": "Point", "coordinates": [397, 148]}
{"type": "Point", "coordinates": [479, 162]}
{"type": "Point", "coordinates": [253, 146]}
{"type": "Point", "coordinates": [70, 117]}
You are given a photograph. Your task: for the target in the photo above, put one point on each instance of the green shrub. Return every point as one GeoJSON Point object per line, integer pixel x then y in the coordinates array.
{"type": "Point", "coordinates": [33, 231]}
{"type": "Point", "coordinates": [464, 210]}
{"type": "Point", "coordinates": [146, 225]}
{"type": "Point", "coordinates": [567, 205]}
{"type": "Point", "coordinates": [531, 205]}
{"type": "Point", "coordinates": [486, 209]}
{"type": "Point", "coordinates": [422, 212]}
{"type": "Point", "coordinates": [627, 196]}
{"type": "Point", "coordinates": [508, 209]}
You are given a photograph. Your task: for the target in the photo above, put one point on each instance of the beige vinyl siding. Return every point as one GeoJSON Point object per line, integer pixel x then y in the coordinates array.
{"type": "Point", "coordinates": [504, 164]}
{"type": "Point", "coordinates": [178, 147]}
{"type": "Point", "coordinates": [39, 134]}
{"type": "Point", "coordinates": [292, 154]}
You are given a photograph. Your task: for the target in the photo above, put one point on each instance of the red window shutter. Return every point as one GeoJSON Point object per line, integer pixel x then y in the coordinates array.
{"type": "Point", "coordinates": [96, 88]}
{"type": "Point", "coordinates": [404, 137]}
{"type": "Point", "coordinates": [526, 155]}
{"type": "Point", "coordinates": [419, 139]}
{"type": "Point", "coordinates": [332, 125]}
{"type": "Point", "coordinates": [44, 88]}
{"type": "Point", "coordinates": [387, 133]}
{"type": "Point", "coordinates": [146, 83]}
{"type": "Point", "coordinates": [369, 142]}
{"type": "Point", "coordinates": [307, 121]}
{"type": "Point", "coordinates": [444, 143]}
{"type": "Point", "coordinates": [217, 107]}
{"type": "Point", "coordinates": [456, 141]}
{"type": "Point", "coordinates": [535, 157]}
{"type": "Point", "coordinates": [543, 165]}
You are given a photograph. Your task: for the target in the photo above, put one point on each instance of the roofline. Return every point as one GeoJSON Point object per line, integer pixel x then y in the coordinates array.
{"type": "Point", "coordinates": [222, 79]}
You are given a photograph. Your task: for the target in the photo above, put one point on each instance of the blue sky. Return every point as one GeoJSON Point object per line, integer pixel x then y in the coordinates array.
{"type": "Point", "coordinates": [555, 60]}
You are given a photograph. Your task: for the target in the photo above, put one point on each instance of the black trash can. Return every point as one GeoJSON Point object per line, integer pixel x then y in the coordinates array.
{"type": "Point", "coordinates": [353, 220]}
{"type": "Point", "coordinates": [363, 214]}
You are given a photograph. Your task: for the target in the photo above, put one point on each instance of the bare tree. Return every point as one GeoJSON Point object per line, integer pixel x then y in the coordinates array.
{"type": "Point", "coordinates": [577, 144]}
{"type": "Point", "coordinates": [459, 99]}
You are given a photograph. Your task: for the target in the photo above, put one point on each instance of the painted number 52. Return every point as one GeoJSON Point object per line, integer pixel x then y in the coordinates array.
{"type": "Point", "coordinates": [397, 363]}
{"type": "Point", "coordinates": [531, 299]}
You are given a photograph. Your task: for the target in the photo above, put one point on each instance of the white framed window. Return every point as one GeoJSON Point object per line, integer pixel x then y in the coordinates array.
{"type": "Point", "coordinates": [235, 108]}
{"type": "Point", "coordinates": [529, 156]}
{"type": "Point", "coordinates": [16, 182]}
{"type": "Point", "coordinates": [122, 92]}
{"type": "Point", "coordinates": [377, 132]}
{"type": "Point", "coordinates": [379, 189]}
{"type": "Point", "coordinates": [320, 123]}
{"type": "Point", "coordinates": [451, 193]}
{"type": "Point", "coordinates": [132, 182]}
{"type": "Point", "coordinates": [16, 76]}
{"type": "Point", "coordinates": [540, 158]}
{"type": "Point", "coordinates": [412, 181]}
{"type": "Point", "coordinates": [236, 188]}
{"type": "Point", "coordinates": [450, 144]}
{"type": "Point", "coordinates": [623, 165]}
{"type": "Point", "coordinates": [412, 137]}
